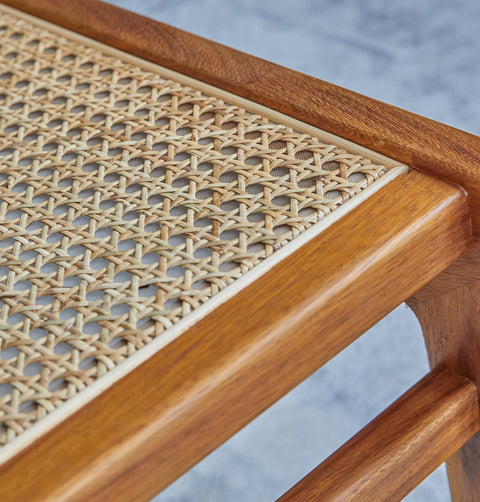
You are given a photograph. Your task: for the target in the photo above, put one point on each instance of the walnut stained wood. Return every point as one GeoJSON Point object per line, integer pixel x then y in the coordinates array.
{"type": "Point", "coordinates": [389, 457]}
{"type": "Point", "coordinates": [427, 145]}
{"type": "Point", "coordinates": [244, 356]}
{"type": "Point", "coordinates": [448, 310]}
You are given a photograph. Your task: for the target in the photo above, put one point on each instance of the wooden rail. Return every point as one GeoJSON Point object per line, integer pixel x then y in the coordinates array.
{"type": "Point", "coordinates": [398, 449]}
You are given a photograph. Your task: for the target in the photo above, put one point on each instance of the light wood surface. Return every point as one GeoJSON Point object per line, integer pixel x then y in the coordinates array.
{"type": "Point", "coordinates": [391, 455]}
{"type": "Point", "coordinates": [136, 438]}
{"type": "Point", "coordinates": [419, 142]}
{"type": "Point", "coordinates": [448, 310]}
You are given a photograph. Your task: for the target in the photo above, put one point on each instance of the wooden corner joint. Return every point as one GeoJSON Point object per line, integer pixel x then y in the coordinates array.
{"type": "Point", "coordinates": [448, 313]}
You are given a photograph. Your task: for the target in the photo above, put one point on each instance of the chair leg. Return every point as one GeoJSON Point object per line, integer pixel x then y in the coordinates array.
{"type": "Point", "coordinates": [448, 309]}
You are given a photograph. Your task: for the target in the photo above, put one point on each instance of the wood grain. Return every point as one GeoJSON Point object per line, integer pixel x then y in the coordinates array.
{"type": "Point", "coordinates": [424, 144]}
{"type": "Point", "coordinates": [187, 399]}
{"type": "Point", "coordinates": [449, 311]}
{"type": "Point", "coordinates": [389, 457]}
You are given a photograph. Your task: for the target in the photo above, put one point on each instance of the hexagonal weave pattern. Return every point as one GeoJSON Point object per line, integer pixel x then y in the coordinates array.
{"type": "Point", "coordinates": [128, 199]}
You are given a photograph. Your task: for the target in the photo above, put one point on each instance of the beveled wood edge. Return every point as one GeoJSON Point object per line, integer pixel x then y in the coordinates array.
{"type": "Point", "coordinates": [188, 398]}
{"type": "Point", "coordinates": [443, 151]}
{"type": "Point", "coordinates": [397, 450]}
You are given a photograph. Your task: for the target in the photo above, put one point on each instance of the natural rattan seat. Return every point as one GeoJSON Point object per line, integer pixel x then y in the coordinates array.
{"type": "Point", "coordinates": [137, 204]}
{"type": "Point", "coordinates": [130, 199]}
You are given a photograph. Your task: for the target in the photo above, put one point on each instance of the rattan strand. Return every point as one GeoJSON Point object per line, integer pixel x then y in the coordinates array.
{"type": "Point", "coordinates": [127, 200]}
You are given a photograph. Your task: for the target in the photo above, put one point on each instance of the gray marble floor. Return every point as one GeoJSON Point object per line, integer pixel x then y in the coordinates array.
{"type": "Point", "coordinates": [422, 56]}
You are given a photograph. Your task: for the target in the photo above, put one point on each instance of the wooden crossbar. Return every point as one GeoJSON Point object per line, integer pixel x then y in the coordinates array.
{"type": "Point", "coordinates": [391, 455]}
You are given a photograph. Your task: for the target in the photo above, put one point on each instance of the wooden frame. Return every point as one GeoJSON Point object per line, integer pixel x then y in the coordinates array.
{"type": "Point", "coordinates": [414, 228]}
{"type": "Point", "coordinates": [134, 429]}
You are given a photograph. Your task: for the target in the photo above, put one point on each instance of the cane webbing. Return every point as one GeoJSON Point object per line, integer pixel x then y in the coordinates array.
{"type": "Point", "coordinates": [128, 199]}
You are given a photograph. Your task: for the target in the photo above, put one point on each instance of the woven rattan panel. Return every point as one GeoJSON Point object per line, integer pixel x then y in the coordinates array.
{"type": "Point", "coordinates": [127, 200]}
